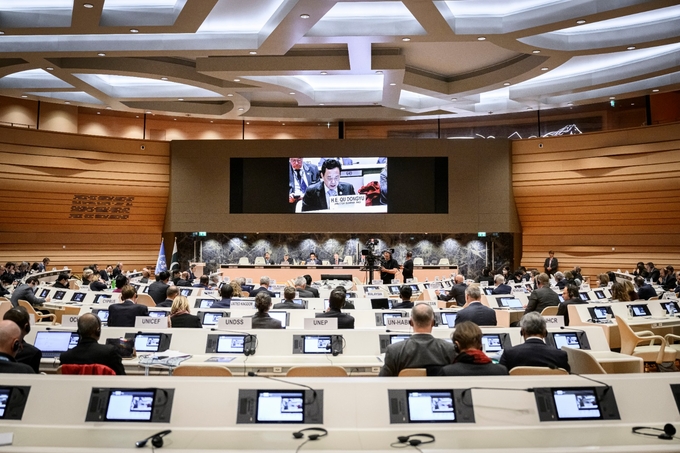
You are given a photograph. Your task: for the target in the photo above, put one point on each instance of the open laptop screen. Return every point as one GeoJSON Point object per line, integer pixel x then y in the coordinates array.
{"type": "Point", "coordinates": [511, 302]}
{"type": "Point", "coordinates": [492, 343]}
{"type": "Point", "coordinates": [569, 339]}
{"type": "Point", "coordinates": [53, 341]}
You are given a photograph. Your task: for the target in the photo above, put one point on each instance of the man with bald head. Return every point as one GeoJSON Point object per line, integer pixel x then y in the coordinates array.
{"type": "Point", "coordinates": [88, 350]}
{"type": "Point", "coordinates": [422, 350]}
{"type": "Point", "coordinates": [456, 292]}
{"type": "Point", "coordinates": [10, 342]}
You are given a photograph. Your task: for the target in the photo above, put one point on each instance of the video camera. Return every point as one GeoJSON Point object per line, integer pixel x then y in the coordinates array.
{"type": "Point", "coordinates": [374, 259]}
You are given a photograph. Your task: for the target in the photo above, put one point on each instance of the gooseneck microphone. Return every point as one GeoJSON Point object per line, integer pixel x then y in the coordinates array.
{"type": "Point", "coordinates": [254, 374]}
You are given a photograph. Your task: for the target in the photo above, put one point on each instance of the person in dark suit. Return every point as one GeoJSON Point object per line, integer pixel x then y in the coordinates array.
{"type": "Point", "coordinates": [192, 276]}
{"type": "Point", "coordinates": [124, 313]}
{"type": "Point", "coordinates": [170, 295]}
{"type": "Point", "coordinates": [6, 282]}
{"type": "Point", "coordinates": [117, 270]}
{"type": "Point", "coordinates": [288, 304]}
{"type": "Point", "coordinates": [263, 288]}
{"type": "Point", "coordinates": [422, 350]}
{"type": "Point", "coordinates": [159, 289]}
{"type": "Point", "coordinates": [268, 258]}
{"type": "Point", "coordinates": [96, 284]}
{"type": "Point", "coordinates": [287, 259]}
{"type": "Point", "coordinates": [407, 267]}
{"type": "Point", "coordinates": [309, 287]}
{"type": "Point", "coordinates": [10, 343]}
{"type": "Point", "coordinates": [88, 350]}
{"type": "Point", "coordinates": [204, 282]}
{"type": "Point", "coordinates": [336, 261]}
{"type": "Point", "coordinates": [501, 287]}
{"type": "Point", "coordinates": [317, 195]}
{"type": "Point", "coordinates": [550, 264]}
{"type": "Point", "coordinates": [667, 280]}
{"type": "Point", "coordinates": [571, 296]}
{"type": "Point", "coordinates": [652, 273]}
{"type": "Point", "coordinates": [474, 310]}
{"type": "Point", "coordinates": [348, 305]}
{"type": "Point", "coordinates": [180, 315]}
{"type": "Point", "coordinates": [388, 267]}
{"type": "Point", "coordinates": [405, 293]}
{"type": "Point", "coordinates": [335, 302]}
{"type": "Point", "coordinates": [261, 319]}
{"type": "Point", "coordinates": [644, 290]}
{"type": "Point", "coordinates": [542, 296]}
{"type": "Point", "coordinates": [42, 267]}
{"type": "Point", "coordinates": [313, 260]}
{"type": "Point", "coordinates": [301, 175]}
{"type": "Point", "coordinates": [62, 281]}
{"type": "Point", "coordinates": [534, 351]}
{"type": "Point", "coordinates": [28, 354]}
{"type": "Point", "coordinates": [456, 292]}
{"type": "Point", "coordinates": [226, 292]}
{"type": "Point", "coordinates": [471, 360]}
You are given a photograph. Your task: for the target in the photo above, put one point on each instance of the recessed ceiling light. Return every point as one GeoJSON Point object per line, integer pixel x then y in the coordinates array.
{"type": "Point", "coordinates": [653, 91]}
{"type": "Point", "coordinates": [174, 119]}
{"type": "Point", "coordinates": [136, 116]}
{"type": "Point", "coordinates": [67, 102]}
{"type": "Point", "coordinates": [134, 30]}
{"type": "Point", "coordinates": [570, 104]}
{"type": "Point", "coordinates": [283, 124]}
{"type": "Point", "coordinates": [230, 95]}
{"type": "Point", "coordinates": [24, 96]}
{"type": "Point", "coordinates": [632, 103]}
{"type": "Point", "coordinates": [241, 109]}
{"type": "Point", "coordinates": [630, 48]}
{"type": "Point", "coordinates": [406, 39]}
{"type": "Point", "coordinates": [392, 84]}
{"type": "Point", "coordinates": [180, 99]}
{"type": "Point", "coordinates": [2, 32]}
{"type": "Point", "coordinates": [292, 92]}
{"type": "Point", "coordinates": [536, 51]}
{"type": "Point", "coordinates": [164, 78]}
{"type": "Point", "coordinates": [324, 73]}
{"type": "Point", "coordinates": [101, 54]}
{"type": "Point", "coordinates": [88, 5]}
{"type": "Point", "coordinates": [322, 104]}
{"type": "Point", "coordinates": [50, 69]}
{"type": "Point", "coordinates": [506, 84]}
{"type": "Point", "coordinates": [211, 121]}
{"type": "Point", "coordinates": [402, 108]}
{"type": "Point", "coordinates": [378, 72]}
{"type": "Point", "coordinates": [454, 99]}
{"type": "Point", "coordinates": [544, 69]}
{"type": "Point", "coordinates": [237, 80]}
{"type": "Point", "coordinates": [304, 16]}
{"type": "Point", "coordinates": [248, 122]}
{"type": "Point", "coordinates": [611, 98]}
{"type": "Point", "coordinates": [148, 112]}
{"type": "Point", "coordinates": [108, 108]}
{"type": "Point", "coordinates": [99, 113]}
{"type": "Point", "coordinates": [481, 38]}
{"type": "Point", "coordinates": [581, 21]}
{"type": "Point", "coordinates": [252, 52]}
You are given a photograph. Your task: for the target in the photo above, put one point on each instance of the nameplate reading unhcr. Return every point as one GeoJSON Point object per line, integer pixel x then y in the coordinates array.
{"type": "Point", "coordinates": [149, 322]}
{"type": "Point", "coordinates": [554, 321]}
{"type": "Point", "coordinates": [69, 321]}
{"type": "Point", "coordinates": [321, 323]}
{"type": "Point", "coordinates": [345, 202]}
{"type": "Point", "coordinates": [242, 304]}
{"type": "Point", "coordinates": [234, 323]}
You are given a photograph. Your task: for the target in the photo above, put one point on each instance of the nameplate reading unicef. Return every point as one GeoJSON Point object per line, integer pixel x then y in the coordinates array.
{"type": "Point", "coordinates": [149, 322]}
{"type": "Point", "coordinates": [242, 303]}
{"type": "Point", "coordinates": [234, 323]}
{"type": "Point", "coordinates": [69, 321]}
{"type": "Point", "coordinates": [321, 323]}
{"type": "Point", "coordinates": [398, 323]}
{"type": "Point", "coordinates": [554, 321]}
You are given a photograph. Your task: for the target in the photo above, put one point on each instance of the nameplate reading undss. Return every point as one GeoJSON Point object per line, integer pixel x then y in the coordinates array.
{"type": "Point", "coordinates": [321, 323]}
{"type": "Point", "coordinates": [69, 321]}
{"type": "Point", "coordinates": [149, 322]}
{"type": "Point", "coordinates": [554, 321]}
{"type": "Point", "coordinates": [234, 323]}
{"type": "Point", "coordinates": [242, 303]}
{"type": "Point", "coordinates": [398, 323]}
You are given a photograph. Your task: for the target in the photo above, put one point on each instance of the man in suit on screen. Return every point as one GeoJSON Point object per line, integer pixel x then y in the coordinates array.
{"type": "Point", "coordinates": [301, 175]}
{"type": "Point", "coordinates": [317, 196]}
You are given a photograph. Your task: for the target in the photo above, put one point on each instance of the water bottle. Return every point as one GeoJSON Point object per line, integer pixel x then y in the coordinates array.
{"type": "Point", "coordinates": [113, 283]}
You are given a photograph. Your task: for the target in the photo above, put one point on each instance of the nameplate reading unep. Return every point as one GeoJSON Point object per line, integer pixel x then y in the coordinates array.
{"type": "Point", "coordinates": [149, 322]}
{"type": "Point", "coordinates": [242, 304]}
{"type": "Point", "coordinates": [554, 321]}
{"type": "Point", "coordinates": [321, 323]}
{"type": "Point", "coordinates": [69, 321]}
{"type": "Point", "coordinates": [234, 323]}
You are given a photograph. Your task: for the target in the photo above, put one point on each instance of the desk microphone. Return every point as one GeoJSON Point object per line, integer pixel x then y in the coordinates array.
{"type": "Point", "coordinates": [607, 386]}
{"type": "Point", "coordinates": [574, 329]}
{"type": "Point", "coordinates": [249, 340]}
{"type": "Point", "coordinates": [254, 374]}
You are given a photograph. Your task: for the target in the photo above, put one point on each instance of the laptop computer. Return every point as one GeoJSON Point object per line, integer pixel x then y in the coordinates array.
{"type": "Point", "coordinates": [53, 342]}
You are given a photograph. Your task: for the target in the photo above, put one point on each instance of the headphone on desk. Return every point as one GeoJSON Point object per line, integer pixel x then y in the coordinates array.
{"type": "Point", "coordinates": [156, 439]}
{"type": "Point", "coordinates": [415, 442]}
{"type": "Point", "coordinates": [667, 432]}
{"type": "Point", "coordinates": [300, 434]}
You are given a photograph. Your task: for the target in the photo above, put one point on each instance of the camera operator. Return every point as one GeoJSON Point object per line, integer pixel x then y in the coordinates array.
{"type": "Point", "coordinates": [388, 267]}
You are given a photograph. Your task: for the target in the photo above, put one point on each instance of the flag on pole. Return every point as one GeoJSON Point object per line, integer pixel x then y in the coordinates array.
{"type": "Point", "coordinates": [161, 264]}
{"type": "Point", "coordinates": [174, 259]}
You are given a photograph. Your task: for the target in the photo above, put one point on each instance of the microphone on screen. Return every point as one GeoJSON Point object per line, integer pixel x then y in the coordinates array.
{"type": "Point", "coordinates": [254, 374]}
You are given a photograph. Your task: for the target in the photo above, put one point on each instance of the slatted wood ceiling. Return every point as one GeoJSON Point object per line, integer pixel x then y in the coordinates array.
{"type": "Point", "coordinates": [603, 201]}
{"type": "Point", "coordinates": [42, 172]}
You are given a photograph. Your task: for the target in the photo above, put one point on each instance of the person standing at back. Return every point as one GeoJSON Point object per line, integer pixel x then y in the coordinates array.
{"type": "Point", "coordinates": [550, 264]}
{"type": "Point", "coordinates": [407, 267]}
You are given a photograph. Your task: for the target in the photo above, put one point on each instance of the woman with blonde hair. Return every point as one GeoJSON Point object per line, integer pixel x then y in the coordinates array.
{"type": "Point", "coordinates": [238, 292]}
{"type": "Point", "coordinates": [180, 316]}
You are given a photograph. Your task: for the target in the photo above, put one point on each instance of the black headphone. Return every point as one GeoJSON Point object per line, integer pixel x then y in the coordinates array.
{"type": "Point", "coordinates": [667, 432]}
{"type": "Point", "coordinates": [16, 346]}
{"type": "Point", "coordinates": [156, 439]}
{"type": "Point", "coordinates": [416, 442]}
{"type": "Point", "coordinates": [300, 435]}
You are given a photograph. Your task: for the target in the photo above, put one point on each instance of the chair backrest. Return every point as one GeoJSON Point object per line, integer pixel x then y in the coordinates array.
{"type": "Point", "coordinates": [5, 306]}
{"type": "Point", "coordinates": [629, 338]}
{"type": "Point", "coordinates": [536, 370]}
{"type": "Point", "coordinates": [317, 371]}
{"type": "Point", "coordinates": [348, 260]}
{"type": "Point", "coordinates": [418, 261]}
{"type": "Point", "coordinates": [581, 362]}
{"type": "Point", "coordinates": [65, 311]}
{"type": "Point", "coordinates": [443, 261]}
{"type": "Point", "coordinates": [409, 372]}
{"type": "Point", "coordinates": [38, 316]}
{"type": "Point", "coordinates": [244, 260]}
{"type": "Point", "coordinates": [90, 369]}
{"type": "Point", "coordinates": [145, 299]}
{"type": "Point", "coordinates": [259, 260]}
{"type": "Point", "coordinates": [201, 370]}
{"type": "Point", "coordinates": [550, 311]}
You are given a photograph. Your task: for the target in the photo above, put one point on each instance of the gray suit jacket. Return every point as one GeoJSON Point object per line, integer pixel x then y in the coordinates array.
{"type": "Point", "coordinates": [477, 313]}
{"type": "Point", "coordinates": [542, 298]}
{"type": "Point", "coordinates": [25, 292]}
{"type": "Point", "coordinates": [264, 321]}
{"type": "Point", "coordinates": [422, 350]}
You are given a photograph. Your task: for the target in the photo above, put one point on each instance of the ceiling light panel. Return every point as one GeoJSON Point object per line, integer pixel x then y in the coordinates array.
{"type": "Point", "coordinates": [367, 18]}
{"type": "Point", "coordinates": [71, 96]}
{"type": "Point", "coordinates": [649, 26]}
{"type": "Point", "coordinates": [420, 102]}
{"type": "Point", "coordinates": [33, 79]}
{"type": "Point", "coordinates": [35, 13]}
{"type": "Point", "coordinates": [239, 16]}
{"type": "Point", "coordinates": [126, 13]}
{"type": "Point", "coordinates": [126, 87]}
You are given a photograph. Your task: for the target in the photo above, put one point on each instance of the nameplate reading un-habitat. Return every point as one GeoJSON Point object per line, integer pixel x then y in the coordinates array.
{"type": "Point", "coordinates": [234, 323]}
{"type": "Point", "coordinates": [149, 322]}
{"type": "Point", "coordinates": [398, 323]}
{"type": "Point", "coordinates": [321, 323]}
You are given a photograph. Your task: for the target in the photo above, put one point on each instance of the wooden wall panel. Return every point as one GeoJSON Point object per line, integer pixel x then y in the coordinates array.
{"type": "Point", "coordinates": [82, 200]}
{"type": "Point", "coordinates": [603, 201]}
